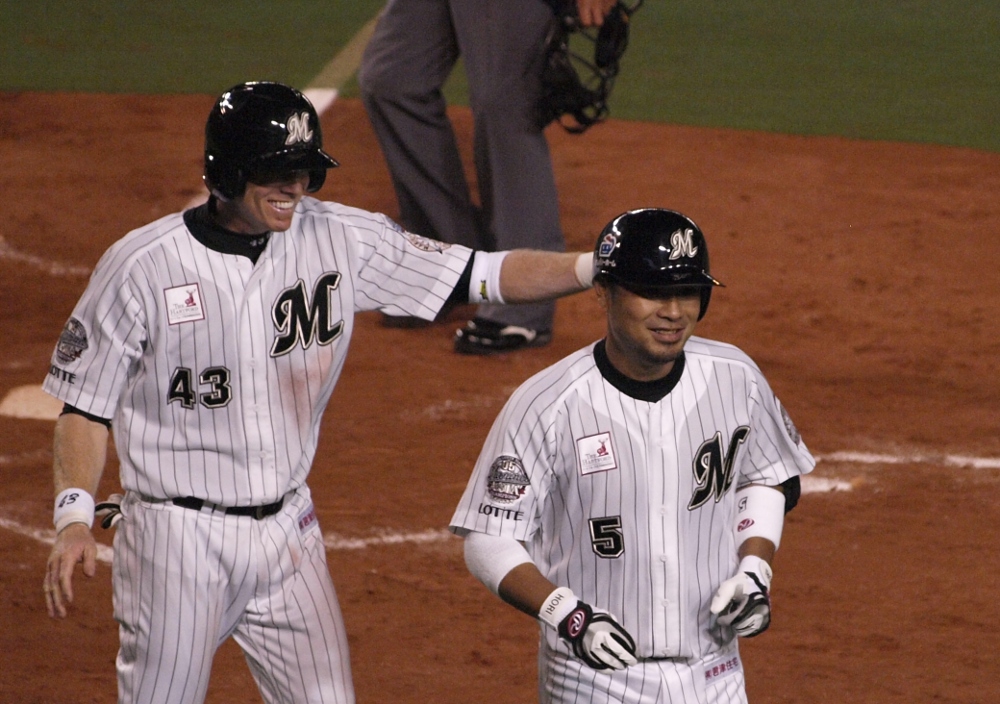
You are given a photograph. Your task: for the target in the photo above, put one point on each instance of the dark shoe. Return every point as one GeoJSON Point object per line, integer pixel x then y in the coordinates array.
{"type": "Point", "coordinates": [403, 321]}
{"type": "Point", "coordinates": [481, 336]}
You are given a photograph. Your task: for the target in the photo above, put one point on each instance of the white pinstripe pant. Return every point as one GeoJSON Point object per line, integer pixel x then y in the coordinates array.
{"type": "Point", "coordinates": [186, 580]}
{"type": "Point", "coordinates": [566, 680]}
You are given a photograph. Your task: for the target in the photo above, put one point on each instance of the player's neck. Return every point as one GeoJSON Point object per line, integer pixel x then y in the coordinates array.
{"type": "Point", "coordinates": [652, 390]}
{"type": "Point", "coordinates": [225, 216]}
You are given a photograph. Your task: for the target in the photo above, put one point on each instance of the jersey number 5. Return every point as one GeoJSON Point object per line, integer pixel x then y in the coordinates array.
{"type": "Point", "coordinates": [606, 536]}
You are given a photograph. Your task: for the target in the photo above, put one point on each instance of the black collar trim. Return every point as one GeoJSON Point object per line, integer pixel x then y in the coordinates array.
{"type": "Point", "coordinates": [651, 391]}
{"type": "Point", "coordinates": [204, 229]}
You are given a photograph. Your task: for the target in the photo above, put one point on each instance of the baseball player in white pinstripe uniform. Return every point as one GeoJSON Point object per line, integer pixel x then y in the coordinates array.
{"type": "Point", "coordinates": [632, 495]}
{"type": "Point", "coordinates": [210, 341]}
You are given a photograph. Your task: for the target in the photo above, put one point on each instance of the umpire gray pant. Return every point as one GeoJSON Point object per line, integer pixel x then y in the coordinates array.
{"type": "Point", "coordinates": [415, 46]}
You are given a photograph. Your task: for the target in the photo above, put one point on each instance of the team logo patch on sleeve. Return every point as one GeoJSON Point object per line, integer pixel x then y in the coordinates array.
{"type": "Point", "coordinates": [596, 453]}
{"type": "Point", "coordinates": [425, 244]}
{"type": "Point", "coordinates": [507, 481]}
{"type": "Point", "coordinates": [793, 432]}
{"type": "Point", "coordinates": [72, 341]}
{"type": "Point", "coordinates": [183, 304]}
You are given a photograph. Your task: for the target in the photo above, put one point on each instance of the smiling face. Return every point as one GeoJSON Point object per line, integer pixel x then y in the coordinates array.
{"type": "Point", "coordinates": [264, 207]}
{"type": "Point", "coordinates": [646, 335]}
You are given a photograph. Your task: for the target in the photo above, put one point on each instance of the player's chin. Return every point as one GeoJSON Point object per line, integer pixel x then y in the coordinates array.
{"type": "Point", "coordinates": [658, 355]}
{"type": "Point", "coordinates": [279, 221]}
{"type": "Point", "coordinates": [667, 346]}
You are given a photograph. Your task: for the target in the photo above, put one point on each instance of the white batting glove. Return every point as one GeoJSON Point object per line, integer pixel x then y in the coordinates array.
{"type": "Point", "coordinates": [594, 635]}
{"type": "Point", "coordinates": [742, 601]}
{"type": "Point", "coordinates": [109, 510]}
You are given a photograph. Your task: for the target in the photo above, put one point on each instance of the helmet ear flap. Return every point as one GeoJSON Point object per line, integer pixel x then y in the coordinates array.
{"type": "Point", "coordinates": [317, 177]}
{"type": "Point", "coordinates": [706, 296]}
{"type": "Point", "coordinates": [226, 179]}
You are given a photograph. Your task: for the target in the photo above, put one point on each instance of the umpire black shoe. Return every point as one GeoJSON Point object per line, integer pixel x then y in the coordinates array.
{"type": "Point", "coordinates": [480, 336]}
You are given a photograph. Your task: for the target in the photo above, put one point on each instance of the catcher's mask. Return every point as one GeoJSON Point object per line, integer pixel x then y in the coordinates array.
{"type": "Point", "coordinates": [575, 86]}
{"type": "Point", "coordinates": [259, 132]}
{"type": "Point", "coordinates": [650, 250]}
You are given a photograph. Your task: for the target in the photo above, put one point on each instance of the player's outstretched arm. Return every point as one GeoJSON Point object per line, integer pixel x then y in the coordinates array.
{"type": "Point", "coordinates": [528, 275]}
{"type": "Point", "coordinates": [80, 451]}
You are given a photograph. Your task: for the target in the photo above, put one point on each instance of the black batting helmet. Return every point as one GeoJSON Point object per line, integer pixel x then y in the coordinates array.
{"type": "Point", "coordinates": [651, 249]}
{"type": "Point", "coordinates": [262, 129]}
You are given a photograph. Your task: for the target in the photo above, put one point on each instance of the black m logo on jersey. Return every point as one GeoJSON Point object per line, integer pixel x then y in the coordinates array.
{"type": "Point", "coordinates": [298, 320]}
{"type": "Point", "coordinates": [713, 470]}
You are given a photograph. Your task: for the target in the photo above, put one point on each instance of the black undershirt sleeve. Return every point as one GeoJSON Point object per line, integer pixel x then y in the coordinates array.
{"type": "Point", "coordinates": [459, 294]}
{"type": "Point", "coordinates": [89, 416]}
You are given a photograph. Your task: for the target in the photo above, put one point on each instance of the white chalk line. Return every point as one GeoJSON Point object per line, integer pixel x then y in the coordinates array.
{"type": "Point", "coordinates": [332, 541]}
{"type": "Point", "coordinates": [336, 542]}
{"type": "Point", "coordinates": [48, 537]}
{"type": "Point", "coordinates": [8, 252]}
{"type": "Point", "coordinates": [961, 461]}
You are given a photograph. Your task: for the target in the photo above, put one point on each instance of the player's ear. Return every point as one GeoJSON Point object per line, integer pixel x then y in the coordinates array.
{"type": "Point", "coordinates": [602, 288]}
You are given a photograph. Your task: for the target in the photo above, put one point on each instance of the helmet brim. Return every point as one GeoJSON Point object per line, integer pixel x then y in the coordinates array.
{"type": "Point", "coordinates": [295, 160]}
{"type": "Point", "coordinates": [664, 280]}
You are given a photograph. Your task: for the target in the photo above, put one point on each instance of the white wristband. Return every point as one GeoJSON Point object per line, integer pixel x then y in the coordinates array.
{"type": "Point", "coordinates": [760, 513]}
{"type": "Point", "coordinates": [73, 506]}
{"type": "Point", "coordinates": [557, 606]}
{"type": "Point", "coordinates": [484, 286]}
{"type": "Point", "coordinates": [585, 269]}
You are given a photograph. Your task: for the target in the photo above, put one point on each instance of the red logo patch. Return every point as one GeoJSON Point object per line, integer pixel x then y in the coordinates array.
{"type": "Point", "coordinates": [744, 524]}
{"type": "Point", "coordinates": [307, 519]}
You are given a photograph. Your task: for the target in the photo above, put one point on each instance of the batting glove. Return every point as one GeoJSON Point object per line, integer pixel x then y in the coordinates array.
{"type": "Point", "coordinates": [594, 635]}
{"type": "Point", "coordinates": [109, 510]}
{"type": "Point", "coordinates": [742, 601]}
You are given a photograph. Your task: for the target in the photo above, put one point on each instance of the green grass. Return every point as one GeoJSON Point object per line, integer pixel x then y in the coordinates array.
{"type": "Point", "coordinates": [170, 46]}
{"type": "Point", "coordinates": [913, 70]}
{"type": "Point", "coordinates": [919, 70]}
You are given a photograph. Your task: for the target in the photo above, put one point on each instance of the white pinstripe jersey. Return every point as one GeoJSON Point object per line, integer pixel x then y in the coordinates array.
{"type": "Point", "coordinates": [631, 503]}
{"type": "Point", "coordinates": [214, 370]}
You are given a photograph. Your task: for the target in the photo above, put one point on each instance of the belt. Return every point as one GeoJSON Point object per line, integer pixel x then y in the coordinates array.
{"type": "Point", "coordinates": [257, 512]}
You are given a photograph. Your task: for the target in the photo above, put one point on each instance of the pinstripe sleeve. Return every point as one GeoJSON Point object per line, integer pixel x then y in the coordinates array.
{"type": "Point", "coordinates": [402, 273]}
{"type": "Point", "coordinates": [776, 451]}
{"type": "Point", "coordinates": [101, 341]}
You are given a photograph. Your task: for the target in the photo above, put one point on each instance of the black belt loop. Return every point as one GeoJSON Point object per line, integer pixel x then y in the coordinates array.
{"type": "Point", "coordinates": [256, 512]}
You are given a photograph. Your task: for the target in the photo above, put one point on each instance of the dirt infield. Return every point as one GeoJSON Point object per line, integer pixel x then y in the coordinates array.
{"type": "Point", "coordinates": [864, 278]}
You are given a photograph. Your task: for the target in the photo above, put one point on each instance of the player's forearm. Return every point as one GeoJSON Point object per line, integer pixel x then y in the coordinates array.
{"type": "Point", "coordinates": [761, 547]}
{"type": "Point", "coordinates": [525, 588]}
{"type": "Point", "coordinates": [80, 451]}
{"type": "Point", "coordinates": [533, 275]}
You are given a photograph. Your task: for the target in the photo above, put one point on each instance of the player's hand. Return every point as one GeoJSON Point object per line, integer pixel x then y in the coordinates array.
{"type": "Point", "coordinates": [597, 638]}
{"type": "Point", "coordinates": [74, 543]}
{"type": "Point", "coordinates": [593, 12]}
{"type": "Point", "coordinates": [742, 601]}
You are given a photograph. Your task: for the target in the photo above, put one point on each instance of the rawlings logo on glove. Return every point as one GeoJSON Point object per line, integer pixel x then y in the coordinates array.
{"type": "Point", "coordinates": [742, 601]}
{"type": "Point", "coordinates": [597, 639]}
